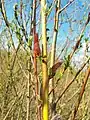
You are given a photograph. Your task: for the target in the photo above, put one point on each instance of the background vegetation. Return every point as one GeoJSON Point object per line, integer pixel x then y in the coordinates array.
{"type": "Point", "coordinates": [44, 59]}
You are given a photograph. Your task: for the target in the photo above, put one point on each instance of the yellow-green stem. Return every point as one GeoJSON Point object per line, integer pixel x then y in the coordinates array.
{"type": "Point", "coordinates": [44, 62]}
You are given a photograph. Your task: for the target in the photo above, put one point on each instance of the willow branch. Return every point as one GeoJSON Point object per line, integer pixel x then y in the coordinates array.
{"type": "Point", "coordinates": [81, 93]}
{"type": "Point", "coordinates": [3, 11]}
{"type": "Point", "coordinates": [45, 106]}
{"type": "Point", "coordinates": [62, 9]}
{"type": "Point", "coordinates": [72, 80]}
{"type": "Point", "coordinates": [78, 41]}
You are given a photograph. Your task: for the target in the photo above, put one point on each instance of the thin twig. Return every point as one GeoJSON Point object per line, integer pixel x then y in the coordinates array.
{"type": "Point", "coordinates": [81, 93]}
{"type": "Point", "coordinates": [70, 1]}
{"type": "Point", "coordinates": [72, 80]}
{"type": "Point", "coordinates": [11, 107]}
